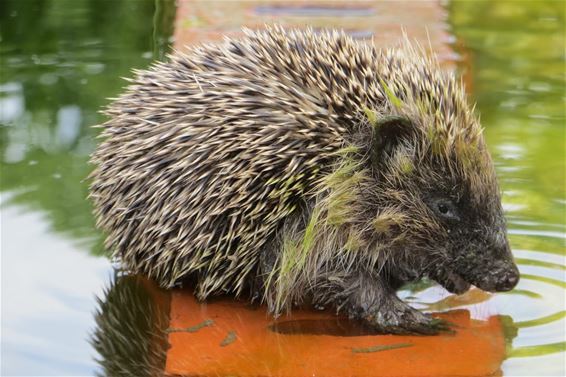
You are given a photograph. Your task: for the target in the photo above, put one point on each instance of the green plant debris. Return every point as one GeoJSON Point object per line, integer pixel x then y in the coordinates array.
{"type": "Point", "coordinates": [469, 153]}
{"type": "Point", "coordinates": [349, 149]}
{"type": "Point", "coordinates": [371, 116]}
{"type": "Point", "coordinates": [396, 101]}
{"type": "Point", "coordinates": [406, 165]}
{"type": "Point", "coordinates": [437, 144]}
{"type": "Point", "coordinates": [380, 348]}
{"type": "Point", "coordinates": [284, 274]}
{"type": "Point", "coordinates": [381, 224]}
{"type": "Point", "coordinates": [230, 338]}
{"type": "Point", "coordinates": [289, 255]}
{"type": "Point", "coordinates": [338, 193]}
{"type": "Point", "coordinates": [384, 221]}
{"type": "Point", "coordinates": [310, 233]}
{"type": "Point", "coordinates": [341, 184]}
{"type": "Point", "coordinates": [353, 243]}
{"type": "Point", "coordinates": [195, 328]}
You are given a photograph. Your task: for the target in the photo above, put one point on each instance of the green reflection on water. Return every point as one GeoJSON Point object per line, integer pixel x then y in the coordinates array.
{"type": "Point", "coordinates": [534, 262]}
{"type": "Point", "coordinates": [544, 279]}
{"type": "Point", "coordinates": [545, 349]}
{"type": "Point", "coordinates": [543, 320]}
{"type": "Point", "coordinates": [61, 59]}
{"type": "Point", "coordinates": [517, 52]}
{"type": "Point", "coordinates": [518, 80]}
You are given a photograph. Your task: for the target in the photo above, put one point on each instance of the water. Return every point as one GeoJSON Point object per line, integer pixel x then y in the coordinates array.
{"type": "Point", "coordinates": [61, 59]}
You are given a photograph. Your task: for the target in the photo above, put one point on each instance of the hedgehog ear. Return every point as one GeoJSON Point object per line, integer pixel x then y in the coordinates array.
{"type": "Point", "coordinates": [388, 133]}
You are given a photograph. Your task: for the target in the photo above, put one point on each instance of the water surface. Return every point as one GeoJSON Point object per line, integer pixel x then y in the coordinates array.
{"type": "Point", "coordinates": [62, 59]}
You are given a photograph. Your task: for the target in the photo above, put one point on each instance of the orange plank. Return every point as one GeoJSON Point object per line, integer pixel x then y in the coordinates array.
{"type": "Point", "coordinates": [380, 21]}
{"type": "Point", "coordinates": [310, 343]}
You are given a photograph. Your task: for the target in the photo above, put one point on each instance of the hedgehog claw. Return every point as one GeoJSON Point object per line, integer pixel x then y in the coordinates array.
{"type": "Point", "coordinates": [403, 319]}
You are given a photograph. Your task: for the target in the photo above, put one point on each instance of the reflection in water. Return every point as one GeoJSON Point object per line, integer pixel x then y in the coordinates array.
{"type": "Point", "coordinates": [48, 284]}
{"type": "Point", "coordinates": [333, 326]}
{"type": "Point", "coordinates": [55, 77]}
{"type": "Point", "coordinates": [131, 323]}
{"type": "Point", "coordinates": [163, 27]}
{"type": "Point", "coordinates": [337, 10]}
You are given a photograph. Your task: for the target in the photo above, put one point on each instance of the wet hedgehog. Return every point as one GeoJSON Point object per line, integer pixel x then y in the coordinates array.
{"type": "Point", "coordinates": [302, 167]}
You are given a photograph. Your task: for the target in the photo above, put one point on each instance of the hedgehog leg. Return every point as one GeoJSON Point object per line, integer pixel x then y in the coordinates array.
{"type": "Point", "coordinates": [374, 301]}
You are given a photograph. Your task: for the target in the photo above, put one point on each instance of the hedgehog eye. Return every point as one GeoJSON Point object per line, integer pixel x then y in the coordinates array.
{"type": "Point", "coordinates": [446, 209]}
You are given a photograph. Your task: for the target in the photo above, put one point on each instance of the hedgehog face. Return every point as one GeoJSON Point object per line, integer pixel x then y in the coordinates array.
{"type": "Point", "coordinates": [448, 211]}
{"type": "Point", "coordinates": [471, 243]}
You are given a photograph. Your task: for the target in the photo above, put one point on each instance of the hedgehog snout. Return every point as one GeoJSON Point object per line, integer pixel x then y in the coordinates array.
{"type": "Point", "coordinates": [506, 276]}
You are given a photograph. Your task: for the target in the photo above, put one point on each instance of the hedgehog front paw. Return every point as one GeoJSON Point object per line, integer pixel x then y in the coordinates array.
{"type": "Point", "coordinates": [403, 319]}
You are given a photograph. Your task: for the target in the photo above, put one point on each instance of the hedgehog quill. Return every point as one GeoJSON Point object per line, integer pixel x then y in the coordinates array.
{"type": "Point", "coordinates": [302, 168]}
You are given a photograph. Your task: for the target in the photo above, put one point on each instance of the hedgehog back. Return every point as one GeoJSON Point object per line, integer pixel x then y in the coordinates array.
{"type": "Point", "coordinates": [205, 154]}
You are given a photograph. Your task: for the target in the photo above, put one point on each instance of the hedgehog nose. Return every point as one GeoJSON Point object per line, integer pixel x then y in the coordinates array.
{"type": "Point", "coordinates": [508, 281]}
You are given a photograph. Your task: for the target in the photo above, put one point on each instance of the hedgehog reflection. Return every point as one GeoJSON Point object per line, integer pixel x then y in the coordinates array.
{"type": "Point", "coordinates": [130, 335]}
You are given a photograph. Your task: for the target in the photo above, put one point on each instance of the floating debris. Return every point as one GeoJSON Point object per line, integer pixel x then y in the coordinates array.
{"type": "Point", "coordinates": [195, 328]}
{"type": "Point", "coordinates": [230, 338]}
{"type": "Point", "coordinates": [386, 347]}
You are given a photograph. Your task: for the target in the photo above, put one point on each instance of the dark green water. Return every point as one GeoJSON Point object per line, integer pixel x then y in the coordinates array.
{"type": "Point", "coordinates": [61, 59]}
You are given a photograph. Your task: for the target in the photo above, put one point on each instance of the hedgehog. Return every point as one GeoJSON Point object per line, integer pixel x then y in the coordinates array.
{"type": "Point", "coordinates": [302, 167]}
